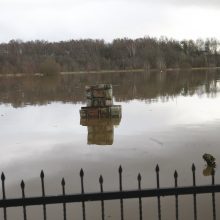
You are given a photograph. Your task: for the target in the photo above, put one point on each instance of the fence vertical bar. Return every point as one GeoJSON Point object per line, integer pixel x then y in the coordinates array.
{"type": "Point", "coordinates": [102, 201]}
{"type": "Point", "coordinates": [3, 194]}
{"type": "Point", "coordinates": [158, 186]}
{"type": "Point", "coordinates": [82, 191]}
{"type": "Point", "coordinates": [120, 188]}
{"type": "Point", "coordinates": [194, 195]}
{"type": "Point", "coordinates": [64, 193]}
{"type": "Point", "coordinates": [43, 194]}
{"type": "Point", "coordinates": [140, 200]}
{"type": "Point", "coordinates": [23, 197]}
{"type": "Point", "coordinates": [213, 196]}
{"type": "Point", "coordinates": [176, 196]}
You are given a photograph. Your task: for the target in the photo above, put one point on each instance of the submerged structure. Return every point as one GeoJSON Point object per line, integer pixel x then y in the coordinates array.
{"type": "Point", "coordinates": [100, 115]}
{"type": "Point", "coordinates": [100, 103]}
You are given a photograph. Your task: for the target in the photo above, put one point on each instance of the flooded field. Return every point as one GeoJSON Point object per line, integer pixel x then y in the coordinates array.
{"type": "Point", "coordinates": [168, 118]}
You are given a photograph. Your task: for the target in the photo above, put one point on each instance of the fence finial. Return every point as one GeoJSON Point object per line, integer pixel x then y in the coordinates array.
{"type": "Point", "coordinates": [22, 184]}
{"type": "Point", "coordinates": [63, 182]}
{"type": "Point", "coordinates": [81, 173]}
{"type": "Point", "coordinates": [157, 168]}
{"type": "Point", "coordinates": [100, 179]}
{"type": "Point", "coordinates": [193, 167]}
{"type": "Point", "coordinates": [120, 169]}
{"type": "Point", "coordinates": [3, 177]}
{"type": "Point", "coordinates": [175, 174]}
{"type": "Point", "coordinates": [42, 174]}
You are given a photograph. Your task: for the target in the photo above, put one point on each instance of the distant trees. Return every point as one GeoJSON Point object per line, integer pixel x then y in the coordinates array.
{"type": "Point", "coordinates": [49, 66]}
{"type": "Point", "coordinates": [75, 55]}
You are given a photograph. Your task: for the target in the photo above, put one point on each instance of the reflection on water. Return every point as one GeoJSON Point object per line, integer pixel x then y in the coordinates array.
{"type": "Point", "coordinates": [21, 91]}
{"type": "Point", "coordinates": [100, 131]}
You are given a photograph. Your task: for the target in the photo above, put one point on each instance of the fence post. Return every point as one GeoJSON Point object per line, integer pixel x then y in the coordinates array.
{"type": "Point", "coordinates": [3, 194]}
{"type": "Point", "coordinates": [176, 196]}
{"type": "Point", "coordinates": [82, 191]}
{"type": "Point", "coordinates": [140, 200]}
{"type": "Point", "coordinates": [64, 193]}
{"type": "Point", "coordinates": [43, 194]}
{"type": "Point", "coordinates": [102, 201]}
{"type": "Point", "coordinates": [194, 195]}
{"type": "Point", "coordinates": [120, 188]}
{"type": "Point", "coordinates": [23, 197]}
{"type": "Point", "coordinates": [158, 186]}
{"type": "Point", "coordinates": [213, 195]}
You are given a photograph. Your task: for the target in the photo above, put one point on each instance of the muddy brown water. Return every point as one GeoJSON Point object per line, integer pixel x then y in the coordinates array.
{"type": "Point", "coordinates": [168, 118]}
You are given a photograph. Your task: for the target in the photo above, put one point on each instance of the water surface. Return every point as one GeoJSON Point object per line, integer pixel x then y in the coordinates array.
{"type": "Point", "coordinates": [168, 118]}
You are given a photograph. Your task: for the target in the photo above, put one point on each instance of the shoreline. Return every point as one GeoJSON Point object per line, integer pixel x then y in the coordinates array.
{"type": "Point", "coordinates": [109, 71]}
{"type": "Point", "coordinates": [139, 70]}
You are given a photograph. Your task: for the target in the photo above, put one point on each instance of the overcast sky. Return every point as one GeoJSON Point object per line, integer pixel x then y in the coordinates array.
{"type": "Point", "coordinates": [56, 20]}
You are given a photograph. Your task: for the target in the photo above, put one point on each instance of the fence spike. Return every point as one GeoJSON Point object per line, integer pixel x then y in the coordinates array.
{"type": "Point", "coordinates": [63, 182]}
{"type": "Point", "coordinates": [176, 196]}
{"type": "Point", "coordinates": [175, 174]}
{"type": "Point", "coordinates": [22, 184]}
{"type": "Point", "coordinates": [157, 169]}
{"type": "Point", "coordinates": [194, 195]}
{"type": "Point", "coordinates": [64, 193]}
{"type": "Point", "coordinates": [193, 167]}
{"type": "Point", "coordinates": [43, 194]}
{"type": "Point", "coordinates": [3, 194]}
{"type": "Point", "coordinates": [101, 179]}
{"type": "Point", "coordinates": [213, 196]}
{"type": "Point", "coordinates": [42, 174]}
{"type": "Point", "coordinates": [3, 177]}
{"type": "Point", "coordinates": [102, 201]}
{"type": "Point", "coordinates": [81, 173]}
{"type": "Point", "coordinates": [140, 200]}
{"type": "Point", "coordinates": [23, 197]}
{"type": "Point", "coordinates": [120, 169]}
{"type": "Point", "coordinates": [120, 188]}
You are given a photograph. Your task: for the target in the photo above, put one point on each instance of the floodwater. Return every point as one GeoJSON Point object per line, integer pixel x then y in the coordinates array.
{"type": "Point", "coordinates": [168, 118]}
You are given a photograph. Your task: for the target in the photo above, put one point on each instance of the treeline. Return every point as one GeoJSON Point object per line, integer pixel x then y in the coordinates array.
{"type": "Point", "coordinates": [121, 54]}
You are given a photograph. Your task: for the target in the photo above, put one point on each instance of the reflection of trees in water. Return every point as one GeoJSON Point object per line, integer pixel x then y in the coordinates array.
{"type": "Point", "coordinates": [21, 91]}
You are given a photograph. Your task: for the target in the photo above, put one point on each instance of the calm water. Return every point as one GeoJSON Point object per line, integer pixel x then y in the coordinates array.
{"type": "Point", "coordinates": [170, 118]}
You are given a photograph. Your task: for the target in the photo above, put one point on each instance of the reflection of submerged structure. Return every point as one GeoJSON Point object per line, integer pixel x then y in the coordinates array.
{"type": "Point", "coordinates": [100, 103]}
{"type": "Point", "coordinates": [100, 131]}
{"type": "Point", "coordinates": [100, 115]}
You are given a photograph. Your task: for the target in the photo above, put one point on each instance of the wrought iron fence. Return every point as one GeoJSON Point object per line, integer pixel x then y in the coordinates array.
{"type": "Point", "coordinates": [102, 196]}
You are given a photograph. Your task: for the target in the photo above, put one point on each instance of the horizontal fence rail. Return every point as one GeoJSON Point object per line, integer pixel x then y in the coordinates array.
{"type": "Point", "coordinates": [128, 194]}
{"type": "Point", "coordinates": [120, 194]}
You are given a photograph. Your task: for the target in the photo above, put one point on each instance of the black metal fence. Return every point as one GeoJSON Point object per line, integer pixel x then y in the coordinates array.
{"type": "Point", "coordinates": [121, 194]}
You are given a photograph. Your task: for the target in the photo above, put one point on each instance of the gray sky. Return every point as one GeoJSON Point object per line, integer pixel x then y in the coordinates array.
{"type": "Point", "coordinates": [56, 20]}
